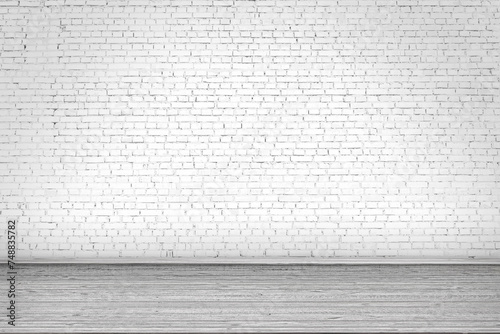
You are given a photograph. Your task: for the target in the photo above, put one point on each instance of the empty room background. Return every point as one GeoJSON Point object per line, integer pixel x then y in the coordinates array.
{"type": "Point", "coordinates": [343, 128]}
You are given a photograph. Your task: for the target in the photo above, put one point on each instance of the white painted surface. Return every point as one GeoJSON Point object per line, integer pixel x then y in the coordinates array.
{"type": "Point", "coordinates": [161, 129]}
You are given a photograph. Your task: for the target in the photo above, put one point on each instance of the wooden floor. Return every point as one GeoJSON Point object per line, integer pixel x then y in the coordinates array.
{"type": "Point", "coordinates": [256, 298]}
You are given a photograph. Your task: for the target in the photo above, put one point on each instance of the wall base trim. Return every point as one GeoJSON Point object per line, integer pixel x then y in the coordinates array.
{"type": "Point", "coordinates": [266, 261]}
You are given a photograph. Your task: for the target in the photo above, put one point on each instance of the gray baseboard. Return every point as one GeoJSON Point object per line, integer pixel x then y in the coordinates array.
{"type": "Point", "coordinates": [266, 261]}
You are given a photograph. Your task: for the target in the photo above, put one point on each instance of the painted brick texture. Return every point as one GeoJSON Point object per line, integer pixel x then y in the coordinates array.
{"type": "Point", "coordinates": [345, 128]}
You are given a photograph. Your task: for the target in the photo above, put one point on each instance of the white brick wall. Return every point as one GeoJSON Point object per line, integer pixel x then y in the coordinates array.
{"type": "Point", "coordinates": [251, 128]}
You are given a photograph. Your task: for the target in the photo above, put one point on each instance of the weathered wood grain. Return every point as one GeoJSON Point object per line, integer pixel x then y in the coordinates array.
{"type": "Point", "coordinates": [256, 298]}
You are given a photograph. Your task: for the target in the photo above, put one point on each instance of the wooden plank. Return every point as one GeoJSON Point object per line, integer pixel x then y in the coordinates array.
{"type": "Point", "coordinates": [228, 298]}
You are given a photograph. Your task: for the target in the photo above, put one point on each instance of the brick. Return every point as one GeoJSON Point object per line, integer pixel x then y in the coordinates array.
{"type": "Point", "coordinates": [175, 131]}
